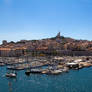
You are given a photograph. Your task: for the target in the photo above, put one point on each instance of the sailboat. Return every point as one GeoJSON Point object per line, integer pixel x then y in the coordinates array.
{"type": "Point", "coordinates": [28, 70]}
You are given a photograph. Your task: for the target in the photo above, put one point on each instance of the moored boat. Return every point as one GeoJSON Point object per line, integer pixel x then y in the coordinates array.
{"type": "Point", "coordinates": [27, 72]}
{"type": "Point", "coordinates": [11, 75]}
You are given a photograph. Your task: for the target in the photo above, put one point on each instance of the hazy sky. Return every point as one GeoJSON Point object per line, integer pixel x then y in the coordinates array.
{"type": "Point", "coordinates": [36, 19]}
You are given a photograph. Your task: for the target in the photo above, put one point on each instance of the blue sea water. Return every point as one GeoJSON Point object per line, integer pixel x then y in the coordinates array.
{"type": "Point", "coordinates": [74, 81]}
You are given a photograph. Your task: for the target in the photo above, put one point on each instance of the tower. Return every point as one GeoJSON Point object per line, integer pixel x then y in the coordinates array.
{"type": "Point", "coordinates": [58, 35]}
{"type": "Point", "coordinates": [58, 38]}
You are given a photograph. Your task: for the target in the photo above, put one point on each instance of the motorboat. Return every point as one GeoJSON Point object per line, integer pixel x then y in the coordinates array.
{"type": "Point", "coordinates": [11, 75]}
{"type": "Point", "coordinates": [27, 72]}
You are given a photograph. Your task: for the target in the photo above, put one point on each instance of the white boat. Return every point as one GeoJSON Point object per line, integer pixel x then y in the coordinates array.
{"type": "Point", "coordinates": [11, 75]}
{"type": "Point", "coordinates": [56, 72]}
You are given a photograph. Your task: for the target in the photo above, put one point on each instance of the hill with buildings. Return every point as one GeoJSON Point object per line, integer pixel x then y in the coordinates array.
{"type": "Point", "coordinates": [58, 45]}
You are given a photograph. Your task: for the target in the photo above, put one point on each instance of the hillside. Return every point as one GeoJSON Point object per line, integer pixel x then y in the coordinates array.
{"type": "Point", "coordinates": [55, 44]}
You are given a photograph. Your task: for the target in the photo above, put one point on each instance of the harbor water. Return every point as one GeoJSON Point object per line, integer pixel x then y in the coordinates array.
{"type": "Point", "coordinates": [74, 81]}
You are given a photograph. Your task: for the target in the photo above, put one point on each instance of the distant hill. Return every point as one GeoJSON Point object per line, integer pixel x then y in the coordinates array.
{"type": "Point", "coordinates": [57, 43]}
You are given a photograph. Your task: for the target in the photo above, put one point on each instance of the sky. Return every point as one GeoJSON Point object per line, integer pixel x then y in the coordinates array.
{"type": "Point", "coordinates": [37, 19]}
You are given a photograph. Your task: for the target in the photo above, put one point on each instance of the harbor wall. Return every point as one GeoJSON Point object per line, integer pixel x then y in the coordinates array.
{"type": "Point", "coordinates": [17, 53]}
{"type": "Point", "coordinates": [76, 53]}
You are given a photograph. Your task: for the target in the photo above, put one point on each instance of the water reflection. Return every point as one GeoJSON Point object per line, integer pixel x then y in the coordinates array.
{"type": "Point", "coordinates": [11, 84]}
{"type": "Point", "coordinates": [11, 81]}
{"type": "Point", "coordinates": [74, 81]}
